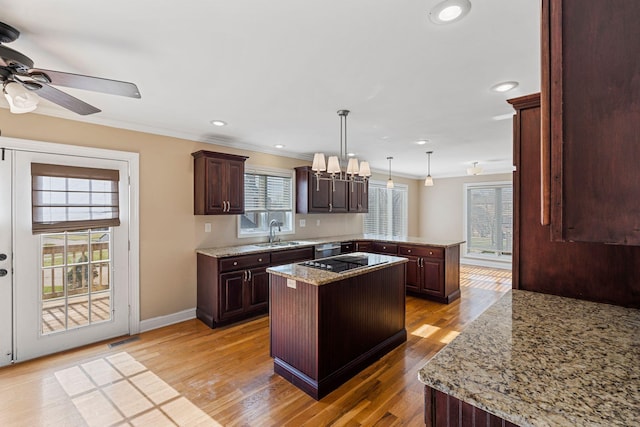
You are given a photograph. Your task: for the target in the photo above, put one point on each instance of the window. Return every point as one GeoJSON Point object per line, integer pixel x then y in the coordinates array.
{"type": "Point", "coordinates": [489, 219]}
{"type": "Point", "coordinates": [76, 279]}
{"type": "Point", "coordinates": [66, 198]}
{"type": "Point", "coordinates": [387, 210]}
{"type": "Point", "coordinates": [267, 197]}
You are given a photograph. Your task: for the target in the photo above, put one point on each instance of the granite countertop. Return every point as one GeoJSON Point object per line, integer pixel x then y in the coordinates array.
{"type": "Point", "coordinates": [542, 360]}
{"type": "Point", "coordinates": [260, 247]}
{"type": "Point", "coordinates": [319, 277]}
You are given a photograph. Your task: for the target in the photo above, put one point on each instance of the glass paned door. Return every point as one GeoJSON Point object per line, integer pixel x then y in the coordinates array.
{"type": "Point", "coordinates": [71, 287]}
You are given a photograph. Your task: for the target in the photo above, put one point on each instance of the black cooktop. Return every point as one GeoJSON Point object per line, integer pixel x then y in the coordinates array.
{"type": "Point", "coordinates": [341, 263]}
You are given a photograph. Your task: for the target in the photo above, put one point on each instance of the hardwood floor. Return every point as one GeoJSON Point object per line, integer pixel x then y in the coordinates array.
{"type": "Point", "coordinates": [188, 374]}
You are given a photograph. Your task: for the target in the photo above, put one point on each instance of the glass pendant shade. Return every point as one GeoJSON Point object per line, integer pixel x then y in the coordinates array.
{"type": "Point", "coordinates": [20, 99]}
{"type": "Point", "coordinates": [365, 171]}
{"type": "Point", "coordinates": [428, 181]}
{"type": "Point", "coordinates": [389, 183]}
{"type": "Point", "coordinates": [334, 165]}
{"type": "Point", "coordinates": [319, 164]}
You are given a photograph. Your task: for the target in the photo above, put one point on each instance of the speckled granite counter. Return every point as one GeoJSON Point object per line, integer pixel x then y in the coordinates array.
{"type": "Point", "coordinates": [318, 277]}
{"type": "Point", "coordinates": [541, 360]}
{"type": "Point", "coordinates": [262, 247]}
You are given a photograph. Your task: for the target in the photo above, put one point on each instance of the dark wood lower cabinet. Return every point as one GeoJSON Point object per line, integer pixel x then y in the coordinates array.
{"type": "Point", "coordinates": [442, 410]}
{"type": "Point", "coordinates": [234, 288]}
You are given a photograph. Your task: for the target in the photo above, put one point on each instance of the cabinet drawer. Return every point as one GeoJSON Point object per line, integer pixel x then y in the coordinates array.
{"type": "Point", "coordinates": [291, 256]}
{"type": "Point", "coordinates": [421, 251]}
{"type": "Point", "coordinates": [244, 261]}
{"type": "Point", "coordinates": [385, 248]}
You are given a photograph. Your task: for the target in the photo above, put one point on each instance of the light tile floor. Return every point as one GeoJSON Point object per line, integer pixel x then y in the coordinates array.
{"type": "Point", "coordinates": [118, 390]}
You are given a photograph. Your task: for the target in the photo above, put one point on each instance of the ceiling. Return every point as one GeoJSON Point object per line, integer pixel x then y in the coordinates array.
{"type": "Point", "coordinates": [278, 71]}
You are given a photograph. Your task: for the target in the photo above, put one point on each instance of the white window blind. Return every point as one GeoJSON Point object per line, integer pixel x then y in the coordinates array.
{"type": "Point", "coordinates": [67, 198]}
{"type": "Point", "coordinates": [490, 219]}
{"type": "Point", "coordinates": [267, 196]}
{"type": "Point", "coordinates": [388, 214]}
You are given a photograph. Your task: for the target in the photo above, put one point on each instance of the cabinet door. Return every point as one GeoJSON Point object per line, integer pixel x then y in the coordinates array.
{"type": "Point", "coordinates": [235, 186]}
{"type": "Point", "coordinates": [590, 93]}
{"type": "Point", "coordinates": [215, 182]}
{"type": "Point", "coordinates": [414, 273]}
{"type": "Point", "coordinates": [231, 294]}
{"type": "Point", "coordinates": [433, 276]}
{"type": "Point", "coordinates": [258, 289]}
{"type": "Point", "coordinates": [319, 194]}
{"type": "Point", "coordinates": [358, 197]}
{"type": "Point", "coordinates": [339, 197]}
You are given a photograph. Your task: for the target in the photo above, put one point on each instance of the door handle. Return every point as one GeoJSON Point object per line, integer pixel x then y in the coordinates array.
{"type": "Point", "coordinates": [3, 272]}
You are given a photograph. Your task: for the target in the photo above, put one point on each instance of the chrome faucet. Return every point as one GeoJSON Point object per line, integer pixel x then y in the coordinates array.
{"type": "Point", "coordinates": [273, 223]}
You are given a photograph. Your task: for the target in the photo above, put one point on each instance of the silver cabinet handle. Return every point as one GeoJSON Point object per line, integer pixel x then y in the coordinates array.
{"type": "Point", "coordinates": [330, 207]}
{"type": "Point", "coordinates": [249, 278]}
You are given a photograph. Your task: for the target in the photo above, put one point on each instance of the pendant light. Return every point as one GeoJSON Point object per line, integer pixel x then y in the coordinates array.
{"type": "Point", "coordinates": [428, 181]}
{"type": "Point", "coordinates": [475, 170]}
{"type": "Point", "coordinates": [333, 165]}
{"type": "Point", "coordinates": [389, 181]}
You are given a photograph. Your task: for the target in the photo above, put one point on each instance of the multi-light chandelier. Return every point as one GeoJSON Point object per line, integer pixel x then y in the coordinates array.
{"type": "Point", "coordinates": [333, 167]}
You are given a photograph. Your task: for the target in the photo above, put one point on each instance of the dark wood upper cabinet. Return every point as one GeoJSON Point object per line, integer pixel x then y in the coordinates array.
{"type": "Point", "coordinates": [325, 196]}
{"type": "Point", "coordinates": [591, 120]}
{"type": "Point", "coordinates": [358, 196]}
{"type": "Point", "coordinates": [583, 270]}
{"type": "Point", "coordinates": [218, 183]}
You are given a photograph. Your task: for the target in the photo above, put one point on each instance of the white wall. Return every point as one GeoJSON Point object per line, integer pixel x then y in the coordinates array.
{"type": "Point", "coordinates": [441, 213]}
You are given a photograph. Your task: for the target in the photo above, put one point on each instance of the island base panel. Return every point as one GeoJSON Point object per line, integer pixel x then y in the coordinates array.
{"type": "Point", "coordinates": [319, 389]}
{"type": "Point", "coordinates": [443, 410]}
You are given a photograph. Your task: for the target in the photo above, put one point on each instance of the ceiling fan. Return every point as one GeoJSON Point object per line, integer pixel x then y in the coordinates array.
{"type": "Point", "coordinates": [20, 81]}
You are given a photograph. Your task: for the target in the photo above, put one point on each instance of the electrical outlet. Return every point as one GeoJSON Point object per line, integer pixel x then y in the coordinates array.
{"type": "Point", "coordinates": [303, 222]}
{"type": "Point", "coordinates": [207, 227]}
{"type": "Point", "coordinates": [317, 223]}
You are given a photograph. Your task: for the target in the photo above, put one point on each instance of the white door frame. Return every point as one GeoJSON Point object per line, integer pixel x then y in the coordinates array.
{"type": "Point", "coordinates": [6, 248]}
{"type": "Point", "coordinates": [133, 160]}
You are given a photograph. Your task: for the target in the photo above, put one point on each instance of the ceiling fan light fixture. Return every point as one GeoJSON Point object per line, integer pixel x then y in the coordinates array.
{"type": "Point", "coordinates": [20, 99]}
{"type": "Point", "coordinates": [449, 11]}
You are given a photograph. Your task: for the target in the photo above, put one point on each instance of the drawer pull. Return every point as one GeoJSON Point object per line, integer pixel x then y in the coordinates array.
{"type": "Point", "coordinates": [259, 259]}
{"type": "Point", "coordinates": [235, 262]}
{"type": "Point", "coordinates": [384, 247]}
{"type": "Point", "coordinates": [430, 252]}
{"type": "Point", "coordinates": [408, 251]}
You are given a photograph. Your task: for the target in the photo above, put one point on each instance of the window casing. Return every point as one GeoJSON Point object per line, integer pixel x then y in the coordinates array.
{"type": "Point", "coordinates": [268, 196]}
{"type": "Point", "coordinates": [388, 210]}
{"type": "Point", "coordinates": [489, 219]}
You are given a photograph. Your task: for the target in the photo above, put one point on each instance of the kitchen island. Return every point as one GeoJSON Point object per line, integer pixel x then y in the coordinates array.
{"type": "Point", "coordinates": [534, 359]}
{"type": "Point", "coordinates": [325, 326]}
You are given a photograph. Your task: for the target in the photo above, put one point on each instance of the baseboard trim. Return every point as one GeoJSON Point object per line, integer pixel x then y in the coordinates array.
{"type": "Point", "coordinates": [486, 263]}
{"type": "Point", "coordinates": [169, 319]}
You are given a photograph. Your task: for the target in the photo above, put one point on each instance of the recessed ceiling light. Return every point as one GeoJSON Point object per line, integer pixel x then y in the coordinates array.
{"type": "Point", "coordinates": [218, 123]}
{"type": "Point", "coordinates": [279, 146]}
{"type": "Point", "coordinates": [422, 141]}
{"type": "Point", "coordinates": [503, 116]}
{"type": "Point", "coordinates": [449, 11]}
{"type": "Point", "coordinates": [504, 86]}
{"type": "Point", "coordinates": [351, 154]}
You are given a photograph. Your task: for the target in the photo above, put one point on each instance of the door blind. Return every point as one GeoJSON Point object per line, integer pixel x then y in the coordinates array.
{"type": "Point", "coordinates": [68, 198]}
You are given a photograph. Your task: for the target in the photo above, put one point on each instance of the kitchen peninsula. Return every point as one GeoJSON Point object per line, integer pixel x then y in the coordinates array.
{"type": "Point", "coordinates": [325, 326]}
{"type": "Point", "coordinates": [534, 359]}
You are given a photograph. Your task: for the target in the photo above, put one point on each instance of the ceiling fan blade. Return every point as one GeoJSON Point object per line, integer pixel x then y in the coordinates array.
{"type": "Point", "coordinates": [65, 100]}
{"type": "Point", "coordinates": [79, 81]}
